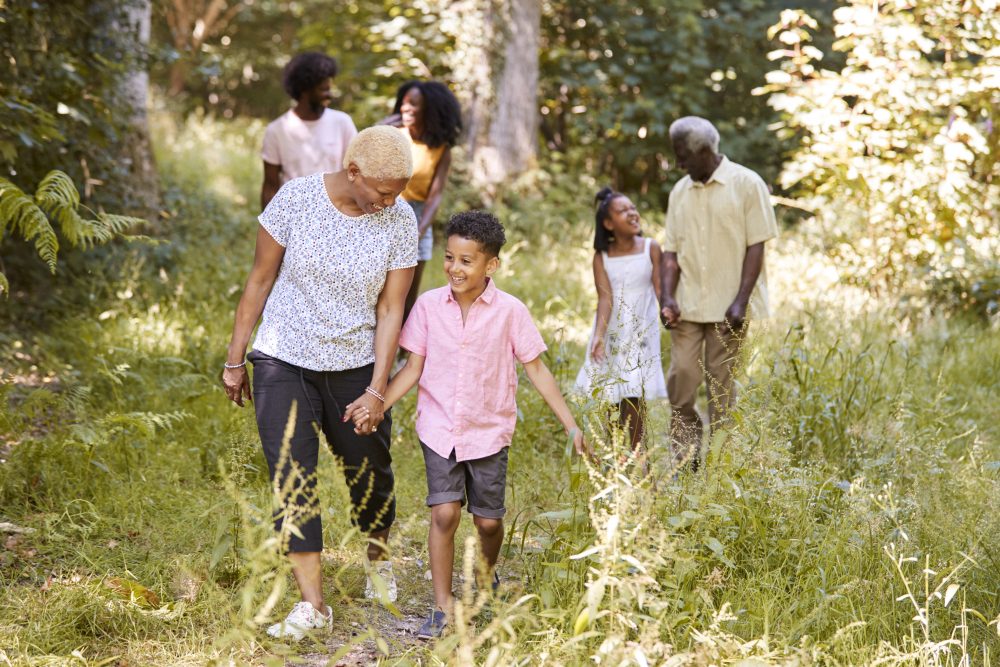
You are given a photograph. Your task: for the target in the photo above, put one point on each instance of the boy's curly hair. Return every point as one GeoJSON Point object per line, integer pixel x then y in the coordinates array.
{"type": "Point", "coordinates": [306, 71]}
{"type": "Point", "coordinates": [479, 226]}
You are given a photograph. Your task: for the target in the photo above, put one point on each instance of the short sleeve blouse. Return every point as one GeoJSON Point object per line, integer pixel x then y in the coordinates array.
{"type": "Point", "coordinates": [320, 314]}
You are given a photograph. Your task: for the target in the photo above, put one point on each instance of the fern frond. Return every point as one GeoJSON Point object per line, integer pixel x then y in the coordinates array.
{"type": "Point", "coordinates": [57, 195]}
{"type": "Point", "coordinates": [57, 189]}
{"type": "Point", "coordinates": [20, 212]}
{"type": "Point", "coordinates": [117, 224]}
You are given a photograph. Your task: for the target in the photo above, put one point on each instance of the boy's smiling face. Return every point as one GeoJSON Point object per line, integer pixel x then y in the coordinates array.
{"type": "Point", "coordinates": [467, 266]}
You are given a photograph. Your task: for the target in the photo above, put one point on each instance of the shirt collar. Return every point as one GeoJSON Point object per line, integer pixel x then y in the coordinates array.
{"type": "Point", "coordinates": [720, 175]}
{"type": "Point", "coordinates": [486, 297]}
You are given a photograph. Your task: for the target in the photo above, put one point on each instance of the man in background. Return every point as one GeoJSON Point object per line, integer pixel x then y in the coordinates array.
{"type": "Point", "coordinates": [309, 137]}
{"type": "Point", "coordinates": [718, 219]}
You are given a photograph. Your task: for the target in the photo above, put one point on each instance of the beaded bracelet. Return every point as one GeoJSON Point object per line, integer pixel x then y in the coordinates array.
{"type": "Point", "coordinates": [369, 390]}
{"type": "Point", "coordinates": [230, 366]}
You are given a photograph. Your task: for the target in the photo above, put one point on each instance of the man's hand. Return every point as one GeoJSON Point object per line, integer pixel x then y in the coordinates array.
{"type": "Point", "coordinates": [736, 316]}
{"type": "Point", "coordinates": [670, 315]}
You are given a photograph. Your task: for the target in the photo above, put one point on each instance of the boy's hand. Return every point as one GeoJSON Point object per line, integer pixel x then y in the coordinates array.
{"type": "Point", "coordinates": [361, 423]}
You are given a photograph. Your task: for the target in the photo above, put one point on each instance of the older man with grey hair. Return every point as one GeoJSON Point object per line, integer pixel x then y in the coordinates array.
{"type": "Point", "coordinates": [712, 271]}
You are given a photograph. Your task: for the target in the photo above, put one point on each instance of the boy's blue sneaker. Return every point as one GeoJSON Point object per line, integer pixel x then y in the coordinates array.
{"type": "Point", "coordinates": [433, 626]}
{"type": "Point", "coordinates": [496, 581]}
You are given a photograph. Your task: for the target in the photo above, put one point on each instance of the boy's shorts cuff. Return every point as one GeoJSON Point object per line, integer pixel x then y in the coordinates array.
{"type": "Point", "coordinates": [445, 497]}
{"type": "Point", "coordinates": [487, 514]}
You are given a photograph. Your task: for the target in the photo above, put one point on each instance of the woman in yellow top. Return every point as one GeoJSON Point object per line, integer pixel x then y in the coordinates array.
{"type": "Point", "coordinates": [430, 116]}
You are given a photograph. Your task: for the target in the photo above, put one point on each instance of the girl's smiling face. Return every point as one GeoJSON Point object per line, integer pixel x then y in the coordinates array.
{"type": "Point", "coordinates": [623, 218]}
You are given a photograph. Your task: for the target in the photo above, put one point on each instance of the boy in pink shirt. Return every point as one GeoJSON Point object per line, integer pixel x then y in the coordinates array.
{"type": "Point", "coordinates": [464, 340]}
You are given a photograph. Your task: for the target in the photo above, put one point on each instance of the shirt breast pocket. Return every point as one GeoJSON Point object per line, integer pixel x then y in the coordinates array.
{"type": "Point", "coordinates": [729, 217]}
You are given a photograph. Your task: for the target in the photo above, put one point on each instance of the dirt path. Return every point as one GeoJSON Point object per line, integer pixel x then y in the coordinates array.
{"type": "Point", "coordinates": [398, 634]}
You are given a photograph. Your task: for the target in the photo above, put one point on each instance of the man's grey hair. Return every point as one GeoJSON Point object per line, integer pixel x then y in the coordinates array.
{"type": "Point", "coordinates": [696, 133]}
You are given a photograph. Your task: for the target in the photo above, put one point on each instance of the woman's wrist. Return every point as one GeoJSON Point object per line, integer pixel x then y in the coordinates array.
{"type": "Point", "coordinates": [236, 355]}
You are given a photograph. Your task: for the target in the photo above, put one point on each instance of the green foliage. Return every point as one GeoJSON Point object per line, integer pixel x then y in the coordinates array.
{"type": "Point", "coordinates": [62, 120]}
{"type": "Point", "coordinates": [616, 74]}
{"type": "Point", "coordinates": [899, 149]}
{"type": "Point", "coordinates": [59, 70]}
{"type": "Point", "coordinates": [56, 198]}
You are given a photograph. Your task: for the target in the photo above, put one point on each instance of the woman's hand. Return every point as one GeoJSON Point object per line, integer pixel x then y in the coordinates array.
{"type": "Point", "coordinates": [597, 352]}
{"type": "Point", "coordinates": [367, 413]}
{"type": "Point", "coordinates": [236, 382]}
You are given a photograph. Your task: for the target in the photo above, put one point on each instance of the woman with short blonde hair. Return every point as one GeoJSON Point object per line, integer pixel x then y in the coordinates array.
{"type": "Point", "coordinates": [334, 260]}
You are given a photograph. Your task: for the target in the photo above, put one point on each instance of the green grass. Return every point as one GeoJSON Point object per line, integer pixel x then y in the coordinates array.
{"type": "Point", "coordinates": [860, 476]}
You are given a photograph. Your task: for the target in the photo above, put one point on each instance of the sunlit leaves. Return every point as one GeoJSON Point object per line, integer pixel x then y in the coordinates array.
{"type": "Point", "coordinates": [898, 149]}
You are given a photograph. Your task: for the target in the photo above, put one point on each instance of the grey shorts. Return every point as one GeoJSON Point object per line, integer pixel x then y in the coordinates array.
{"type": "Point", "coordinates": [482, 481]}
{"type": "Point", "coordinates": [425, 246]}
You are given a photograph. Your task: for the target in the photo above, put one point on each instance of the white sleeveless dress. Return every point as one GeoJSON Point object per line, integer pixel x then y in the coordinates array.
{"type": "Point", "coordinates": [632, 367]}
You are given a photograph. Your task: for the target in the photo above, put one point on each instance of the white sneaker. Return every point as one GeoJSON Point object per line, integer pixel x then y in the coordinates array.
{"type": "Point", "coordinates": [382, 570]}
{"type": "Point", "coordinates": [301, 619]}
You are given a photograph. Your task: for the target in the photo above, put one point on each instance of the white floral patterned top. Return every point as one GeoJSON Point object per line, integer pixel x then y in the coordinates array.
{"type": "Point", "coordinates": [320, 314]}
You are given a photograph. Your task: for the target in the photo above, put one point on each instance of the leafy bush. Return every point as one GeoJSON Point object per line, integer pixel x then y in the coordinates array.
{"type": "Point", "coordinates": [899, 154]}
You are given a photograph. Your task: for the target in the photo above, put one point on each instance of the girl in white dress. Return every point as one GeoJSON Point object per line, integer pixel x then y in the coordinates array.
{"type": "Point", "coordinates": [623, 357]}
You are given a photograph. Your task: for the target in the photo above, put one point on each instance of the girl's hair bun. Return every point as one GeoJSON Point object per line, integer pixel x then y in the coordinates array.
{"type": "Point", "coordinates": [602, 195]}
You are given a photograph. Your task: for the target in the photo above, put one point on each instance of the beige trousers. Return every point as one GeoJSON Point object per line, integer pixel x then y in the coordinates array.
{"type": "Point", "coordinates": [699, 350]}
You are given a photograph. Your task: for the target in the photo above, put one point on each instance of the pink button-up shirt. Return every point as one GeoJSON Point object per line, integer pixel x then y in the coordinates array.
{"type": "Point", "coordinates": [466, 397]}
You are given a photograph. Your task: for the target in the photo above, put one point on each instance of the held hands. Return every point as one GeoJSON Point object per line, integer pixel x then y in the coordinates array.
{"type": "Point", "coordinates": [670, 315]}
{"type": "Point", "coordinates": [367, 412]}
{"type": "Point", "coordinates": [236, 383]}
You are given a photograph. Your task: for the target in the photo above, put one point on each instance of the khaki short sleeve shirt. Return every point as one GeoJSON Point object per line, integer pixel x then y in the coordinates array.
{"type": "Point", "coordinates": [709, 226]}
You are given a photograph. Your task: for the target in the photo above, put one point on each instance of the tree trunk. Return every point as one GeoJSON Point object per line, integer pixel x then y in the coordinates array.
{"type": "Point", "coordinates": [134, 92]}
{"type": "Point", "coordinates": [472, 65]}
{"type": "Point", "coordinates": [513, 135]}
{"type": "Point", "coordinates": [501, 109]}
